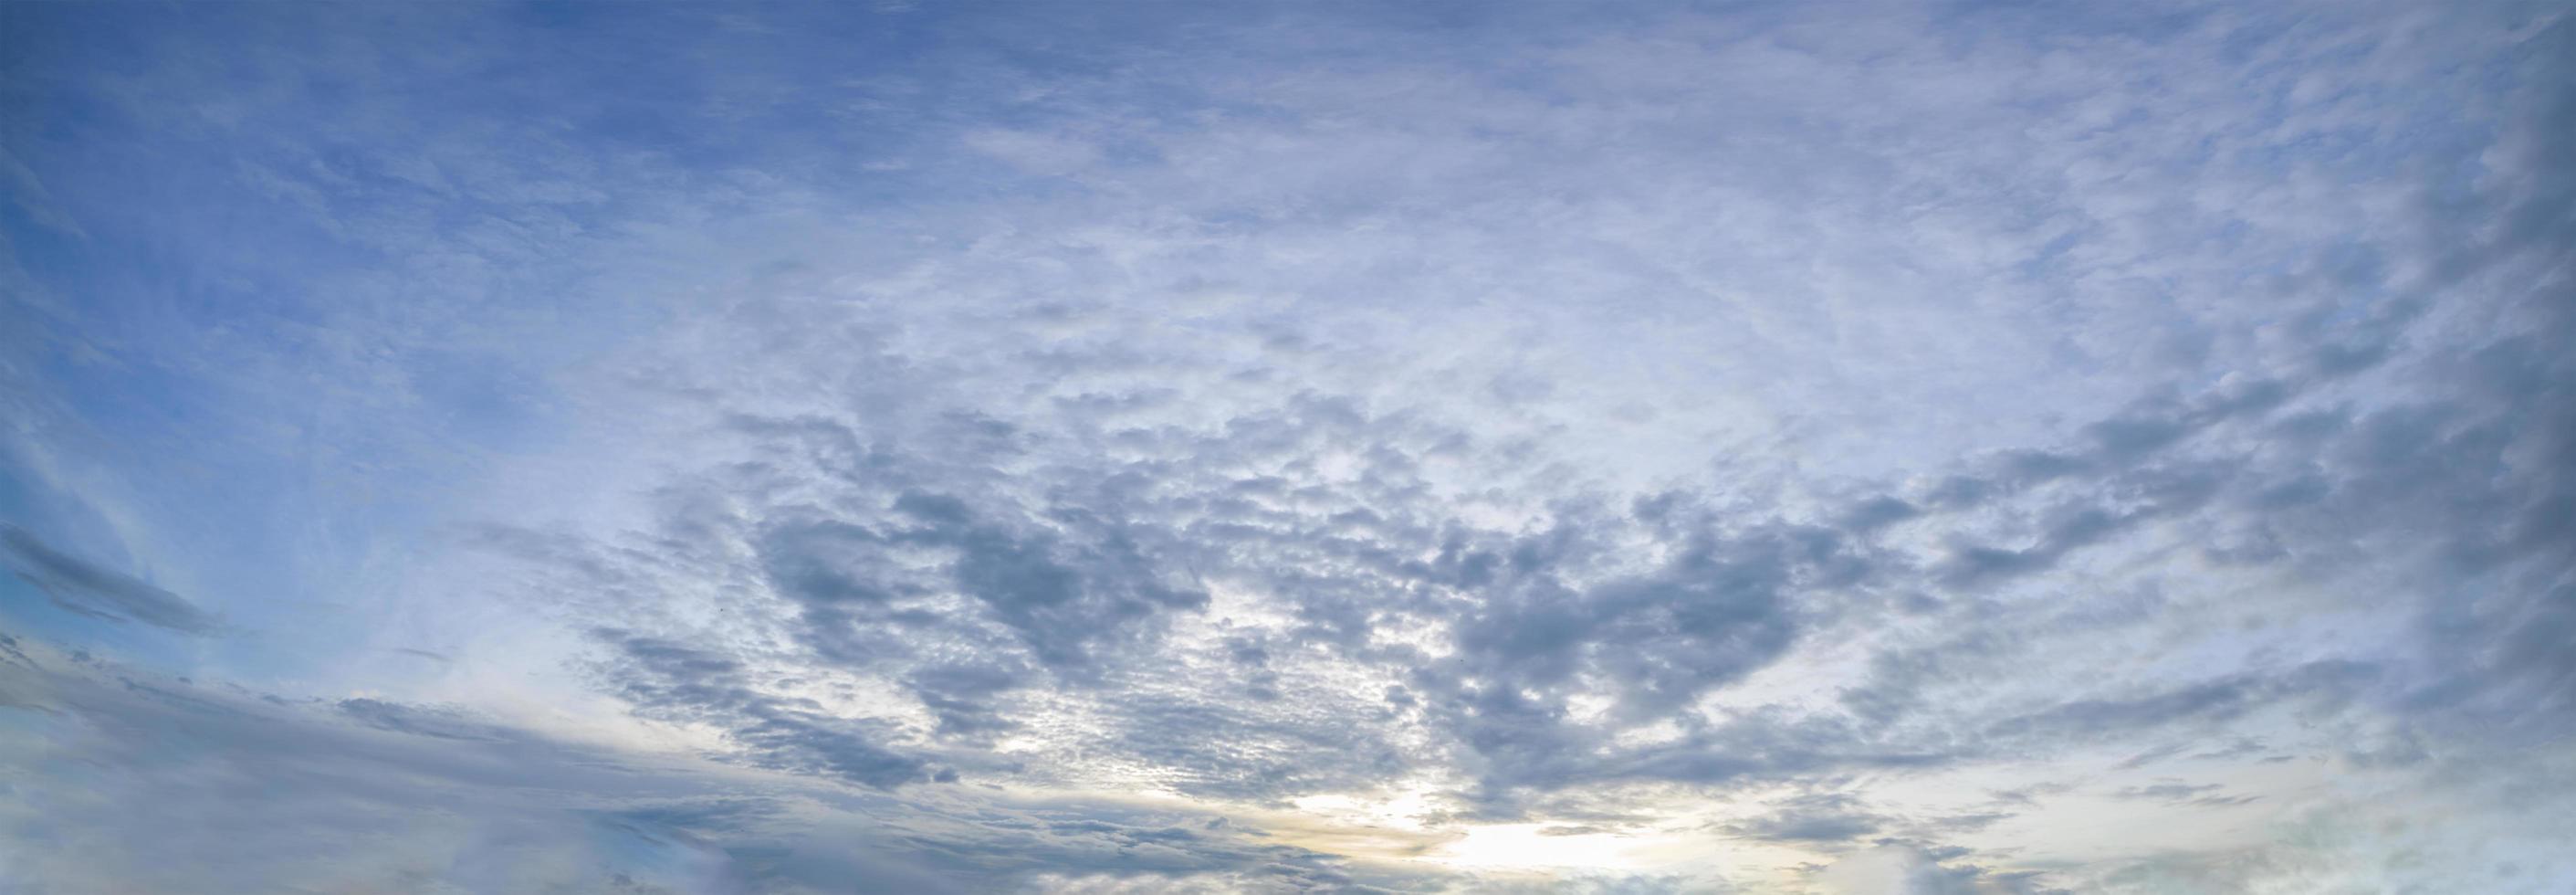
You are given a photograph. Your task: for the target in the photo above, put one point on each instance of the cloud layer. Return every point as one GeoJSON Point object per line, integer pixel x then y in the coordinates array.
{"type": "Point", "coordinates": [1931, 448]}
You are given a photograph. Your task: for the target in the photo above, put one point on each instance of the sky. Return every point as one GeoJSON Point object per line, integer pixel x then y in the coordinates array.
{"type": "Point", "coordinates": [1428, 447]}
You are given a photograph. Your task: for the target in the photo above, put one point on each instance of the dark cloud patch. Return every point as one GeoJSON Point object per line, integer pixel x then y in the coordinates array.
{"type": "Point", "coordinates": [1211, 744]}
{"type": "Point", "coordinates": [2169, 792]}
{"type": "Point", "coordinates": [960, 695]}
{"type": "Point", "coordinates": [2125, 500]}
{"type": "Point", "coordinates": [410, 797]}
{"type": "Point", "coordinates": [2150, 756]}
{"type": "Point", "coordinates": [244, 790]}
{"type": "Point", "coordinates": [1818, 818]}
{"type": "Point", "coordinates": [417, 721]}
{"type": "Point", "coordinates": [1725, 605]}
{"type": "Point", "coordinates": [10, 651]}
{"type": "Point", "coordinates": [1056, 846]}
{"type": "Point", "coordinates": [2122, 437]}
{"type": "Point", "coordinates": [1768, 746]}
{"type": "Point", "coordinates": [670, 681]}
{"type": "Point", "coordinates": [2241, 747]}
{"type": "Point", "coordinates": [1878, 512]}
{"type": "Point", "coordinates": [1969, 823]}
{"type": "Point", "coordinates": [1911, 868]}
{"type": "Point", "coordinates": [1059, 604]}
{"type": "Point", "coordinates": [2483, 472]}
{"type": "Point", "coordinates": [1066, 579]}
{"type": "Point", "coordinates": [2028, 795]}
{"type": "Point", "coordinates": [2208, 701]}
{"type": "Point", "coordinates": [822, 563]}
{"type": "Point", "coordinates": [712, 814]}
{"type": "Point", "coordinates": [2206, 795]}
{"type": "Point", "coordinates": [86, 588]}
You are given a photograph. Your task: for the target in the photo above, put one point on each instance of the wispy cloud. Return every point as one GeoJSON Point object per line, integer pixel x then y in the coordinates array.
{"type": "Point", "coordinates": [83, 587]}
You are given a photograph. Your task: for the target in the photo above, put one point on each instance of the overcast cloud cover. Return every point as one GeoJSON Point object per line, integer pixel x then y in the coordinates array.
{"type": "Point", "coordinates": [1144, 447]}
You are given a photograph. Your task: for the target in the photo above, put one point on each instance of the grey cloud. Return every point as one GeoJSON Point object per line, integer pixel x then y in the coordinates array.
{"type": "Point", "coordinates": [1574, 830]}
{"type": "Point", "coordinates": [2150, 756]}
{"type": "Point", "coordinates": [1062, 578]}
{"type": "Point", "coordinates": [1720, 609]}
{"type": "Point", "coordinates": [2028, 795]}
{"type": "Point", "coordinates": [1043, 846]}
{"type": "Point", "coordinates": [1970, 823]}
{"type": "Point", "coordinates": [1057, 608]}
{"type": "Point", "coordinates": [2166, 791]}
{"type": "Point", "coordinates": [438, 657]}
{"type": "Point", "coordinates": [1212, 743]}
{"type": "Point", "coordinates": [2218, 699]}
{"type": "Point", "coordinates": [960, 695]}
{"type": "Point", "coordinates": [1878, 512]}
{"type": "Point", "coordinates": [1824, 817]}
{"type": "Point", "coordinates": [669, 680]}
{"type": "Point", "coordinates": [416, 721]}
{"type": "Point", "coordinates": [86, 588]}
{"type": "Point", "coordinates": [412, 797]}
{"type": "Point", "coordinates": [819, 562]}
{"type": "Point", "coordinates": [243, 790]}
{"type": "Point", "coordinates": [1904, 868]}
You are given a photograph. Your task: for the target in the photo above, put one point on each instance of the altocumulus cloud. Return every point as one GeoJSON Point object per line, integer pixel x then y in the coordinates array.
{"type": "Point", "coordinates": [1799, 448]}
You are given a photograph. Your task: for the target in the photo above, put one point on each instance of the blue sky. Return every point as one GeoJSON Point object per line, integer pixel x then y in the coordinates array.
{"type": "Point", "coordinates": [1797, 448]}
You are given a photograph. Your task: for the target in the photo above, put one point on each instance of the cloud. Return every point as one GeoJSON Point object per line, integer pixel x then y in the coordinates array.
{"type": "Point", "coordinates": [2202, 796]}
{"type": "Point", "coordinates": [80, 586]}
{"type": "Point", "coordinates": [1823, 818]}
{"type": "Point", "coordinates": [667, 680]}
{"type": "Point", "coordinates": [1899, 869]}
{"type": "Point", "coordinates": [428, 798]}
{"type": "Point", "coordinates": [242, 786]}
{"type": "Point", "coordinates": [983, 449]}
